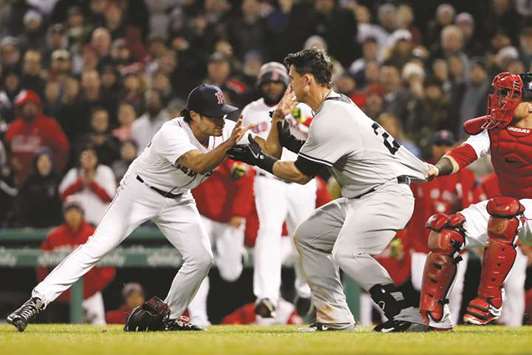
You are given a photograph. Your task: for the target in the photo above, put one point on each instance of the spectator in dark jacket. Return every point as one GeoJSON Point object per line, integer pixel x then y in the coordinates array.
{"type": "Point", "coordinates": [38, 203]}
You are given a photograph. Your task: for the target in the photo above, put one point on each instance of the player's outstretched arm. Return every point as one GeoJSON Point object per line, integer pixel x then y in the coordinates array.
{"type": "Point", "coordinates": [201, 163]}
{"type": "Point", "coordinates": [273, 145]}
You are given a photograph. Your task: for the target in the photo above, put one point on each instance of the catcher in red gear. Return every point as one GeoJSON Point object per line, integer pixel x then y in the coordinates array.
{"type": "Point", "coordinates": [506, 133]}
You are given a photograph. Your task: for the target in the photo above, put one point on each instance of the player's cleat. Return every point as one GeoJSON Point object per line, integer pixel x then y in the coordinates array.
{"type": "Point", "coordinates": [265, 308]}
{"type": "Point", "coordinates": [481, 312]}
{"type": "Point", "coordinates": [25, 313]}
{"type": "Point", "coordinates": [181, 323]}
{"type": "Point", "coordinates": [400, 326]}
{"type": "Point", "coordinates": [323, 327]}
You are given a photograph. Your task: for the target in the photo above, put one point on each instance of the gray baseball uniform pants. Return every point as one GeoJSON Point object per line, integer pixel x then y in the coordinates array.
{"type": "Point", "coordinates": [344, 234]}
{"type": "Point", "coordinates": [134, 204]}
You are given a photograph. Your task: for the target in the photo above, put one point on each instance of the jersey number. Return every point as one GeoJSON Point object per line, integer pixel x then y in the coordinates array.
{"type": "Point", "coordinates": [390, 143]}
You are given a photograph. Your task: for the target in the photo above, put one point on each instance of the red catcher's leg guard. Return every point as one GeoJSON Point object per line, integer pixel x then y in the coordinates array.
{"type": "Point", "coordinates": [445, 241]}
{"type": "Point", "coordinates": [499, 257]}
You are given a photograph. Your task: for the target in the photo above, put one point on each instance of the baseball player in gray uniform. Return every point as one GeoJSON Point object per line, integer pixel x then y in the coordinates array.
{"type": "Point", "coordinates": [157, 187]}
{"type": "Point", "coordinates": [374, 172]}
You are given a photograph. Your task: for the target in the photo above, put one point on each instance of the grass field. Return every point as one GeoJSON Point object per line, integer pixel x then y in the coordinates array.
{"type": "Point", "coordinates": [236, 340]}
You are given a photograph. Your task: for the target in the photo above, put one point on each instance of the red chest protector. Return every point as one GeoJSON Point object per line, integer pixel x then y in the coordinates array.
{"type": "Point", "coordinates": [511, 156]}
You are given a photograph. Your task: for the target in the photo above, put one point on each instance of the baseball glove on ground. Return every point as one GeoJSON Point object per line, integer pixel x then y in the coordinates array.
{"type": "Point", "coordinates": [152, 315]}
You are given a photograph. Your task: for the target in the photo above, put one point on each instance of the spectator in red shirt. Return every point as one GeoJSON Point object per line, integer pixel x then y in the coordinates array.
{"type": "Point", "coordinates": [74, 232]}
{"type": "Point", "coordinates": [30, 132]}
{"type": "Point", "coordinates": [133, 296]}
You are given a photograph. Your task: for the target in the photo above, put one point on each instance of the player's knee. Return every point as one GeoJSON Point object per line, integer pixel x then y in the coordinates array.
{"type": "Point", "coordinates": [447, 234]}
{"type": "Point", "coordinates": [204, 260]}
{"type": "Point", "coordinates": [303, 233]}
{"type": "Point", "coordinates": [342, 256]}
{"type": "Point", "coordinates": [503, 222]}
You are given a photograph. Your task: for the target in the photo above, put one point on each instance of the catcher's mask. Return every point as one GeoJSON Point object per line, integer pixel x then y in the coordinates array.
{"type": "Point", "coordinates": [507, 91]}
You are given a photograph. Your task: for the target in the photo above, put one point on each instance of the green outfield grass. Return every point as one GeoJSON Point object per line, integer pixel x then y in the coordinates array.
{"type": "Point", "coordinates": [235, 340]}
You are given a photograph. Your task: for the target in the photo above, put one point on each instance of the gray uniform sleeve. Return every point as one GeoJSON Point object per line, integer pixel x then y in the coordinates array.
{"type": "Point", "coordinates": [326, 143]}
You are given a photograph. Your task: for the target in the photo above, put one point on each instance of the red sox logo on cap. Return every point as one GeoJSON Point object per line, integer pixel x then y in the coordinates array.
{"type": "Point", "coordinates": [220, 97]}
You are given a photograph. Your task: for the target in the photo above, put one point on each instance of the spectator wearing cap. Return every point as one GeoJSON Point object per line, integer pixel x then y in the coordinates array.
{"type": "Point", "coordinates": [33, 35]}
{"type": "Point", "coordinates": [145, 127]}
{"type": "Point", "coordinates": [30, 132]}
{"type": "Point", "coordinates": [10, 53]}
{"type": "Point", "coordinates": [32, 72]}
{"type": "Point", "coordinates": [474, 97]}
{"type": "Point", "coordinates": [100, 138]}
{"type": "Point", "coordinates": [400, 49]}
{"type": "Point", "coordinates": [60, 65]}
{"type": "Point", "coordinates": [92, 184]}
{"type": "Point", "coordinates": [38, 203]}
{"type": "Point", "coordinates": [72, 233]}
{"type": "Point", "coordinates": [132, 296]}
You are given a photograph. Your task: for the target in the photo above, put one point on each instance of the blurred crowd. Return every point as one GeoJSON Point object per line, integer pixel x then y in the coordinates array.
{"type": "Point", "coordinates": [84, 85]}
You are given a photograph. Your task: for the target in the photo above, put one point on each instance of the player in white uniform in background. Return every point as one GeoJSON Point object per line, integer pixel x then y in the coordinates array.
{"type": "Point", "coordinates": [157, 187]}
{"type": "Point", "coordinates": [373, 171]}
{"type": "Point", "coordinates": [276, 200]}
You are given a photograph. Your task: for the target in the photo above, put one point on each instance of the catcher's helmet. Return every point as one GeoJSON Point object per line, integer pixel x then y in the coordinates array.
{"type": "Point", "coordinates": [508, 91]}
{"type": "Point", "coordinates": [272, 72]}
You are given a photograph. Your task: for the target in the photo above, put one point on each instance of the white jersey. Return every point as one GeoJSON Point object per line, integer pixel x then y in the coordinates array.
{"type": "Point", "coordinates": [359, 152]}
{"type": "Point", "coordinates": [156, 165]}
{"type": "Point", "coordinates": [257, 115]}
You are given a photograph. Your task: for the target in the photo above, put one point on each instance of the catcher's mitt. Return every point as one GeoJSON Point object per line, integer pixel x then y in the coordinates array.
{"type": "Point", "coordinates": [152, 315]}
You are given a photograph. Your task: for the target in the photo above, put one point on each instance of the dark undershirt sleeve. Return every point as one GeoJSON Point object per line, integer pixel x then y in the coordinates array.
{"type": "Point", "coordinates": [308, 167]}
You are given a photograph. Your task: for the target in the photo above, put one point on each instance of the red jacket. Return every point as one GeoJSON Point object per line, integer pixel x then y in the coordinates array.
{"type": "Point", "coordinates": [221, 196]}
{"type": "Point", "coordinates": [95, 280]}
{"type": "Point", "coordinates": [445, 194]}
{"type": "Point", "coordinates": [25, 139]}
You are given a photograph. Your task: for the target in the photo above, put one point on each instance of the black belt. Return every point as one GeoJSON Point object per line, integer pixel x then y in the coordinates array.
{"type": "Point", "coordinates": [159, 191]}
{"type": "Point", "coordinates": [403, 179]}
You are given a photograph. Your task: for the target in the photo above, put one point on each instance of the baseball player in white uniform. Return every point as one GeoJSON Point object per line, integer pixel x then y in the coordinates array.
{"type": "Point", "coordinates": [373, 171]}
{"type": "Point", "coordinates": [157, 187]}
{"type": "Point", "coordinates": [276, 200]}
